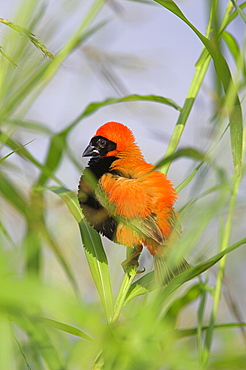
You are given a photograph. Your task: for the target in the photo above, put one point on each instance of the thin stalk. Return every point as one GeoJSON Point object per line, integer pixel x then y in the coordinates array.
{"type": "Point", "coordinates": [119, 303]}
{"type": "Point", "coordinates": [125, 286]}
{"type": "Point", "coordinates": [200, 317]}
{"type": "Point", "coordinates": [220, 276]}
{"type": "Point", "coordinates": [201, 69]}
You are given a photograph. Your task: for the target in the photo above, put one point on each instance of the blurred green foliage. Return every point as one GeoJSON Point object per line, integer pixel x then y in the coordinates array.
{"type": "Point", "coordinates": [46, 324]}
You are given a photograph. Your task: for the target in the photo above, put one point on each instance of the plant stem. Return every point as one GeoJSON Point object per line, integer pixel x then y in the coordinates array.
{"type": "Point", "coordinates": [120, 300]}
{"type": "Point", "coordinates": [219, 282]}
{"type": "Point", "coordinates": [119, 303]}
{"type": "Point", "coordinates": [201, 69]}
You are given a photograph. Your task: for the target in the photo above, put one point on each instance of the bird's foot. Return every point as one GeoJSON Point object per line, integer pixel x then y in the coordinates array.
{"type": "Point", "coordinates": [132, 260]}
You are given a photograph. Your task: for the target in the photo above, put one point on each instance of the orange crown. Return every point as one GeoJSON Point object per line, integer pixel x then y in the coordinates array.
{"type": "Point", "coordinates": [118, 133]}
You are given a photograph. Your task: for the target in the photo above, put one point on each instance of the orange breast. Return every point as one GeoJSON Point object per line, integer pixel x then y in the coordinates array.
{"type": "Point", "coordinates": [135, 194]}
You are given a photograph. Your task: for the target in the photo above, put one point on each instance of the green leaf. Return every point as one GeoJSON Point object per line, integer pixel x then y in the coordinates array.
{"type": "Point", "coordinates": [234, 48]}
{"type": "Point", "coordinates": [14, 151]}
{"type": "Point", "coordinates": [182, 333]}
{"type": "Point", "coordinates": [54, 156]}
{"type": "Point", "coordinates": [232, 44]}
{"type": "Point", "coordinates": [32, 126]}
{"type": "Point", "coordinates": [93, 107]}
{"type": "Point", "coordinates": [6, 338]}
{"type": "Point", "coordinates": [239, 10]}
{"type": "Point", "coordinates": [24, 153]}
{"type": "Point", "coordinates": [94, 251]}
{"type": "Point", "coordinates": [14, 196]}
{"type": "Point", "coordinates": [98, 264]}
{"type": "Point", "coordinates": [184, 152]}
{"type": "Point", "coordinates": [66, 328]}
{"type": "Point", "coordinates": [235, 13]}
{"type": "Point", "coordinates": [145, 284]}
{"type": "Point", "coordinates": [42, 343]}
{"type": "Point", "coordinates": [189, 296]}
{"type": "Point", "coordinates": [6, 234]}
{"type": "Point", "coordinates": [70, 199]}
{"type": "Point", "coordinates": [59, 255]}
{"type": "Point", "coordinates": [130, 98]}
{"type": "Point", "coordinates": [188, 179]}
{"type": "Point", "coordinates": [202, 195]}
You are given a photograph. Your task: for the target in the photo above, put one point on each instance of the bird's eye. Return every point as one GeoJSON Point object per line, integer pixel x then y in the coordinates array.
{"type": "Point", "coordinates": [101, 143]}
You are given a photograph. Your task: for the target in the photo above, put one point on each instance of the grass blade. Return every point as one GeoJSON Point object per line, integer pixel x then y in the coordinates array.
{"type": "Point", "coordinates": [6, 343]}
{"type": "Point", "coordinates": [53, 157]}
{"type": "Point", "coordinates": [66, 328]}
{"type": "Point", "coordinates": [193, 331]}
{"type": "Point", "coordinates": [24, 153]}
{"type": "Point", "coordinates": [239, 10]}
{"type": "Point", "coordinates": [42, 343]}
{"type": "Point", "coordinates": [93, 107]}
{"type": "Point", "coordinates": [184, 152]}
{"type": "Point", "coordinates": [130, 98]}
{"type": "Point", "coordinates": [13, 151]}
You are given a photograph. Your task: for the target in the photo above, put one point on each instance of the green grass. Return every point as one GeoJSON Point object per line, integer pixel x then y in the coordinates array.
{"type": "Point", "coordinates": [49, 318]}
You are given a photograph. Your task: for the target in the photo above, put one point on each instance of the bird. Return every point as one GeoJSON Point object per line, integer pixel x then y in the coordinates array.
{"type": "Point", "coordinates": [129, 201]}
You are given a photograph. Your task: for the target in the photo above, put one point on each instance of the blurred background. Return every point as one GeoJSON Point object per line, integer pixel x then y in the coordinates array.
{"type": "Point", "coordinates": [131, 47]}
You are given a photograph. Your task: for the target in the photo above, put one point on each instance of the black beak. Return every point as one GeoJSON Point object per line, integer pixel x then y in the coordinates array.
{"type": "Point", "coordinates": [91, 151]}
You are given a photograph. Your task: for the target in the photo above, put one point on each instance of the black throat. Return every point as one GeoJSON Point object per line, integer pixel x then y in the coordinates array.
{"type": "Point", "coordinates": [100, 165]}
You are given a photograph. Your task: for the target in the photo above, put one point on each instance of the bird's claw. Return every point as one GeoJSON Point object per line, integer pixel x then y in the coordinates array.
{"type": "Point", "coordinates": [141, 271]}
{"type": "Point", "coordinates": [126, 264]}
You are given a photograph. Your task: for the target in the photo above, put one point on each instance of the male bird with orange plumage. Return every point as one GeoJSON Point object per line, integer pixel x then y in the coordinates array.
{"type": "Point", "coordinates": [130, 202]}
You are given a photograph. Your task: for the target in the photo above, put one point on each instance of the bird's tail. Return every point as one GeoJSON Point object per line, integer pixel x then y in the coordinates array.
{"type": "Point", "coordinates": [164, 273]}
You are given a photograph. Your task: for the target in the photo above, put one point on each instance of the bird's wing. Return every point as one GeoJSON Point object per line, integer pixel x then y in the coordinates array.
{"type": "Point", "coordinates": [149, 228]}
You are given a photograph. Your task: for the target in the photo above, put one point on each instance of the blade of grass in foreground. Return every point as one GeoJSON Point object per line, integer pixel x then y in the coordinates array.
{"type": "Point", "coordinates": [95, 254]}
{"type": "Point", "coordinates": [239, 10]}
{"type": "Point", "coordinates": [66, 328]}
{"type": "Point", "coordinates": [31, 208]}
{"type": "Point", "coordinates": [6, 343]}
{"type": "Point", "coordinates": [24, 153]}
{"type": "Point", "coordinates": [193, 331]}
{"type": "Point", "coordinates": [180, 153]}
{"type": "Point", "coordinates": [42, 342]}
{"type": "Point", "coordinates": [25, 301]}
{"type": "Point", "coordinates": [14, 151]}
